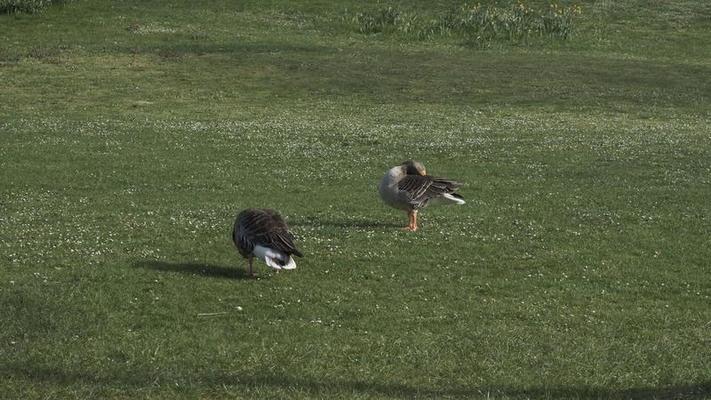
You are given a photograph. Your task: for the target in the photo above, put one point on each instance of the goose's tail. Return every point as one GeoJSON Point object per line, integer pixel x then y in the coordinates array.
{"type": "Point", "coordinates": [274, 258]}
{"type": "Point", "coordinates": [450, 198]}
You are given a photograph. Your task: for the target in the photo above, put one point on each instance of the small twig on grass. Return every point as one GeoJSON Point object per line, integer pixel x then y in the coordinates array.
{"type": "Point", "coordinates": [211, 314]}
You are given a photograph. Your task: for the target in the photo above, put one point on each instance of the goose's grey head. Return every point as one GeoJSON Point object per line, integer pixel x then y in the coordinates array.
{"type": "Point", "coordinates": [413, 167]}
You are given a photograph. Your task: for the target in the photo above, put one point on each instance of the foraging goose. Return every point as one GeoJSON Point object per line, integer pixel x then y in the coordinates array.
{"type": "Point", "coordinates": [408, 187]}
{"type": "Point", "coordinates": [262, 233]}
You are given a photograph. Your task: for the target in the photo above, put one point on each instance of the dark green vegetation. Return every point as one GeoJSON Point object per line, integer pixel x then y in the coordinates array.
{"type": "Point", "coordinates": [26, 6]}
{"type": "Point", "coordinates": [477, 24]}
{"type": "Point", "coordinates": [131, 133]}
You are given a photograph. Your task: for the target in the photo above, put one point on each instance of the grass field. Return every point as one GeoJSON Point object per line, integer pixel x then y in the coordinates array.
{"type": "Point", "coordinates": [133, 132]}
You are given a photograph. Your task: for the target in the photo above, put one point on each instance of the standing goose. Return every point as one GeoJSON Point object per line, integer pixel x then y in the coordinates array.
{"type": "Point", "coordinates": [408, 187]}
{"type": "Point", "coordinates": [262, 233]}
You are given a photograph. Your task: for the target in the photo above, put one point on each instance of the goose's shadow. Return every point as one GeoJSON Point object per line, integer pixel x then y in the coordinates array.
{"type": "Point", "coordinates": [343, 223]}
{"type": "Point", "coordinates": [195, 268]}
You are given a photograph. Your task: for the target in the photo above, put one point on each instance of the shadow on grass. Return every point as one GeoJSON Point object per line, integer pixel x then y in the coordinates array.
{"type": "Point", "coordinates": [194, 268]}
{"type": "Point", "coordinates": [129, 380]}
{"type": "Point", "coordinates": [353, 223]}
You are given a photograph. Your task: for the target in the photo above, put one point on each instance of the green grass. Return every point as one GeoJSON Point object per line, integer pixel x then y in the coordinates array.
{"type": "Point", "coordinates": [578, 269]}
{"type": "Point", "coordinates": [26, 6]}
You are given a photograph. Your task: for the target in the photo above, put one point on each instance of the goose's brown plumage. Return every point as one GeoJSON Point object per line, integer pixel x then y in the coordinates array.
{"type": "Point", "coordinates": [264, 228]}
{"type": "Point", "coordinates": [421, 189]}
{"type": "Point", "coordinates": [408, 187]}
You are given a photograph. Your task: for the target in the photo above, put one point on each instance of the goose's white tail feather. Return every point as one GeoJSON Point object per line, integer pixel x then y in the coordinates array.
{"type": "Point", "coordinates": [274, 258]}
{"type": "Point", "coordinates": [457, 200]}
{"type": "Point", "coordinates": [448, 199]}
{"type": "Point", "coordinates": [291, 264]}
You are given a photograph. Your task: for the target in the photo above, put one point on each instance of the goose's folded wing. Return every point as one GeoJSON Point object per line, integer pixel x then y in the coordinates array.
{"type": "Point", "coordinates": [443, 185]}
{"type": "Point", "coordinates": [419, 188]}
{"type": "Point", "coordinates": [414, 186]}
{"type": "Point", "coordinates": [247, 229]}
{"type": "Point", "coordinates": [252, 227]}
{"type": "Point", "coordinates": [281, 240]}
{"type": "Point", "coordinates": [270, 230]}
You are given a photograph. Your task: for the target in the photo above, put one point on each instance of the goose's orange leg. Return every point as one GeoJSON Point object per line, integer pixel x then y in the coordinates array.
{"type": "Point", "coordinates": [412, 221]}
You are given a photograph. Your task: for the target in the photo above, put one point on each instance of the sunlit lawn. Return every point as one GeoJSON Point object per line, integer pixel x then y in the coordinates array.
{"type": "Point", "coordinates": [132, 133]}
